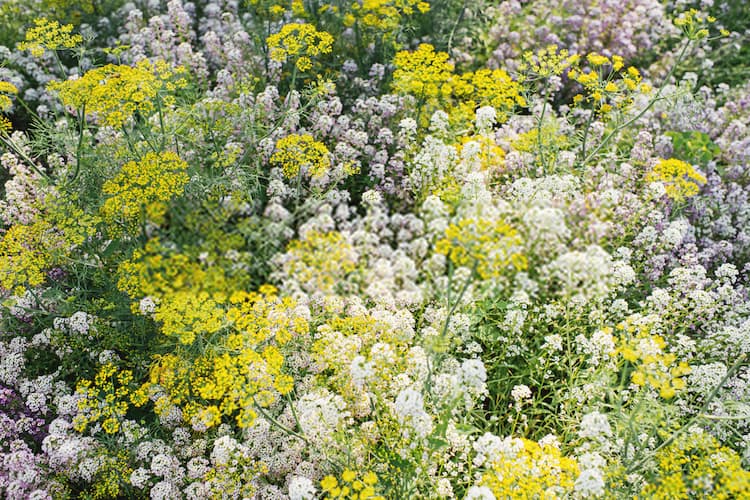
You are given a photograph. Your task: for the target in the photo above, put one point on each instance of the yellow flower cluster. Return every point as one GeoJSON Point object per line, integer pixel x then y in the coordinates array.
{"type": "Point", "coordinates": [156, 272]}
{"type": "Point", "coordinates": [240, 369]}
{"type": "Point", "coordinates": [25, 256]}
{"type": "Point", "coordinates": [696, 465]}
{"type": "Point", "coordinates": [28, 250]}
{"type": "Point", "coordinates": [299, 42]}
{"type": "Point", "coordinates": [106, 399]}
{"type": "Point", "coordinates": [49, 35]}
{"type": "Point", "coordinates": [680, 179]}
{"type": "Point", "coordinates": [185, 314]}
{"type": "Point", "coordinates": [602, 86]}
{"type": "Point", "coordinates": [423, 73]}
{"type": "Point", "coordinates": [275, 9]}
{"type": "Point", "coordinates": [695, 25]}
{"type": "Point", "coordinates": [320, 261]}
{"type": "Point", "coordinates": [296, 153]}
{"type": "Point", "coordinates": [547, 62]}
{"type": "Point", "coordinates": [652, 366]}
{"type": "Point", "coordinates": [429, 76]}
{"type": "Point", "coordinates": [490, 246]}
{"type": "Point", "coordinates": [112, 475]}
{"type": "Point", "coordinates": [115, 92]}
{"type": "Point", "coordinates": [6, 104]}
{"type": "Point", "coordinates": [533, 471]}
{"type": "Point", "coordinates": [384, 16]}
{"type": "Point", "coordinates": [351, 486]}
{"type": "Point", "coordinates": [5, 89]}
{"type": "Point", "coordinates": [142, 189]}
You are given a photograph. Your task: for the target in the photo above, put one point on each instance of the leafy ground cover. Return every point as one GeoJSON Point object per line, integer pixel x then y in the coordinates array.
{"type": "Point", "coordinates": [380, 249]}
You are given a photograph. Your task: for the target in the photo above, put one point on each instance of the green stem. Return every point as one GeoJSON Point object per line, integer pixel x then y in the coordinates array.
{"type": "Point", "coordinates": [81, 125]}
{"type": "Point", "coordinates": [22, 154]}
{"type": "Point", "coordinates": [539, 145]}
{"type": "Point", "coordinates": [281, 426]}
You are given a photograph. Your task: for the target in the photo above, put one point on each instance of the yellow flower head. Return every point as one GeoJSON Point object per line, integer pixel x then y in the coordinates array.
{"type": "Point", "coordinates": [115, 92]}
{"type": "Point", "coordinates": [300, 152]}
{"type": "Point", "coordinates": [680, 179]}
{"type": "Point", "coordinates": [300, 43]}
{"type": "Point", "coordinates": [49, 35]}
{"type": "Point", "coordinates": [143, 188]}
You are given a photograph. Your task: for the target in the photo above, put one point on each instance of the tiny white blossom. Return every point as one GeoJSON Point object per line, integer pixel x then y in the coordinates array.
{"type": "Point", "coordinates": [301, 488]}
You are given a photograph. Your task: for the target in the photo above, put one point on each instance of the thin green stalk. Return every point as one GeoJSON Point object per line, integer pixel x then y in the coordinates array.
{"type": "Point", "coordinates": [22, 154]}
{"type": "Point", "coordinates": [81, 125]}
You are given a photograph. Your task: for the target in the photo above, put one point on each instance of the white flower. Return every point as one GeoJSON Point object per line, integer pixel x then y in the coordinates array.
{"type": "Point", "coordinates": [439, 122]}
{"type": "Point", "coordinates": [486, 118]}
{"type": "Point", "coordinates": [139, 477]}
{"type": "Point", "coordinates": [594, 425]}
{"type": "Point", "coordinates": [520, 393]}
{"type": "Point", "coordinates": [409, 408]}
{"type": "Point", "coordinates": [553, 342]}
{"type": "Point", "coordinates": [80, 322]}
{"type": "Point", "coordinates": [444, 488]}
{"type": "Point", "coordinates": [474, 375]}
{"type": "Point", "coordinates": [372, 197]}
{"type": "Point", "coordinates": [147, 306]}
{"type": "Point", "coordinates": [301, 488]}
{"type": "Point", "coordinates": [479, 493]}
{"type": "Point", "coordinates": [590, 483]}
{"type": "Point", "coordinates": [360, 370]}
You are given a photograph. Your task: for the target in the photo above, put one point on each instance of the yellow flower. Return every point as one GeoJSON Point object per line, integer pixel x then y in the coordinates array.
{"type": "Point", "coordinates": [49, 35]}
{"type": "Point", "coordinates": [299, 42]}
{"type": "Point", "coordinates": [529, 470]}
{"type": "Point", "coordinates": [6, 88]}
{"type": "Point", "coordinates": [680, 179]}
{"type": "Point", "coordinates": [597, 59]}
{"type": "Point", "coordinates": [115, 92]}
{"type": "Point", "coordinates": [490, 246]}
{"type": "Point", "coordinates": [142, 189]}
{"type": "Point", "coordinates": [297, 152]}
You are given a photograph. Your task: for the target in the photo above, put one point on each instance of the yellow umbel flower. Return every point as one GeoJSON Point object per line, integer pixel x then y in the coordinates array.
{"type": "Point", "coordinates": [27, 251]}
{"type": "Point", "coordinates": [547, 62]}
{"type": "Point", "coordinates": [384, 16]}
{"type": "Point", "coordinates": [115, 92]}
{"type": "Point", "coordinates": [353, 486]}
{"type": "Point", "coordinates": [104, 400]}
{"type": "Point", "coordinates": [142, 189]}
{"type": "Point", "coordinates": [300, 43]}
{"type": "Point", "coordinates": [320, 261]}
{"type": "Point", "coordinates": [529, 470]}
{"type": "Point", "coordinates": [237, 370]}
{"type": "Point", "coordinates": [680, 179]}
{"type": "Point", "coordinates": [49, 35]}
{"type": "Point", "coordinates": [696, 465]}
{"type": "Point", "coordinates": [429, 77]}
{"type": "Point", "coordinates": [653, 366]}
{"type": "Point", "coordinates": [300, 152]}
{"type": "Point", "coordinates": [493, 247]}
{"type": "Point", "coordinates": [5, 89]}
{"type": "Point", "coordinates": [423, 73]}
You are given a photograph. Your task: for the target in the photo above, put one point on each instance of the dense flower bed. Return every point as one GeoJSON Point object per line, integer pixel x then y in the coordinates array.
{"type": "Point", "coordinates": [379, 249]}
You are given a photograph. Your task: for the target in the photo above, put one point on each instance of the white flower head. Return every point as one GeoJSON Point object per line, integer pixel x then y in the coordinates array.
{"type": "Point", "coordinates": [479, 493]}
{"type": "Point", "coordinates": [301, 488]}
{"type": "Point", "coordinates": [486, 118]}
